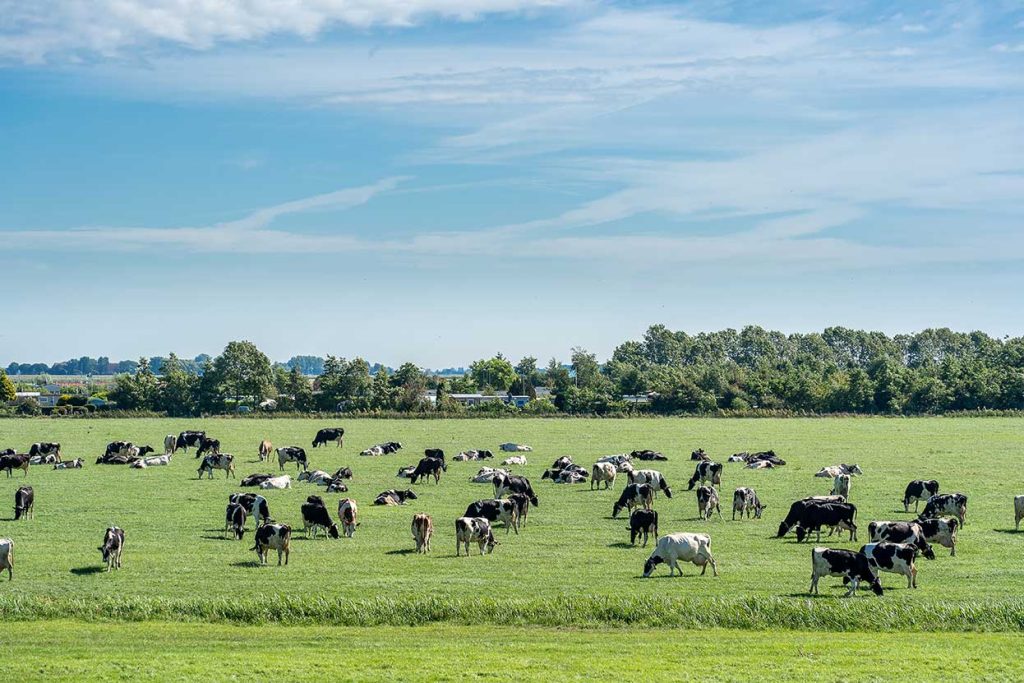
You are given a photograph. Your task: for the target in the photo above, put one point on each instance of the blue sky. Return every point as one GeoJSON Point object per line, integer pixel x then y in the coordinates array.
{"type": "Point", "coordinates": [438, 180]}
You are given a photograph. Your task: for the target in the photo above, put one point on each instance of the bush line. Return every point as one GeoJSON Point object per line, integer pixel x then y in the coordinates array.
{"type": "Point", "coordinates": [752, 613]}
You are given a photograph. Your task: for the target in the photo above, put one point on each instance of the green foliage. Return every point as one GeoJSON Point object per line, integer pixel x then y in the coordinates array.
{"type": "Point", "coordinates": [7, 389]}
{"type": "Point", "coordinates": [244, 372]}
{"type": "Point", "coordinates": [136, 391]}
{"type": "Point", "coordinates": [494, 374]}
{"type": "Point", "coordinates": [29, 407]}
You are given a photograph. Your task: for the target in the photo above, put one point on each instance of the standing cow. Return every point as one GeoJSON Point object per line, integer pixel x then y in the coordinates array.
{"type": "Point", "coordinates": [113, 546]}
{"type": "Point", "coordinates": [325, 436]}
{"type": "Point", "coordinates": [422, 529]}
{"type": "Point", "coordinates": [682, 547]}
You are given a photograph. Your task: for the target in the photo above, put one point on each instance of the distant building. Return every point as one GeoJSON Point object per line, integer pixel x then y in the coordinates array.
{"type": "Point", "coordinates": [479, 399]}
{"type": "Point", "coordinates": [44, 400]}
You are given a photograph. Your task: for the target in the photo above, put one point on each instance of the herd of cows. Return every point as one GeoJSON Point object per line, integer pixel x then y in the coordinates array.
{"type": "Point", "coordinates": [893, 546]}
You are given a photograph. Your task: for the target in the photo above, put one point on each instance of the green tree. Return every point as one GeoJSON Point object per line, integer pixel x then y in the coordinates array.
{"type": "Point", "coordinates": [244, 372]}
{"type": "Point", "coordinates": [300, 390]}
{"type": "Point", "coordinates": [493, 373]}
{"type": "Point", "coordinates": [382, 394]}
{"type": "Point", "coordinates": [137, 391]}
{"type": "Point", "coordinates": [177, 391]}
{"type": "Point", "coordinates": [6, 387]}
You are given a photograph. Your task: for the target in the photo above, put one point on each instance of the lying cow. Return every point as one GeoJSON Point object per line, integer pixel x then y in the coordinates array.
{"type": "Point", "coordinates": [75, 464]}
{"type": "Point", "coordinates": [325, 436]}
{"type": "Point", "coordinates": [255, 479]}
{"type": "Point", "coordinates": [283, 481]}
{"type": "Point", "coordinates": [474, 530]}
{"type": "Point", "coordinates": [422, 530]}
{"type": "Point", "coordinates": [45, 448]}
{"type": "Point", "coordinates": [707, 502]}
{"type": "Point", "coordinates": [621, 461]}
{"type": "Point", "coordinates": [918, 490]}
{"type": "Point", "coordinates": [706, 470]}
{"type": "Point", "coordinates": [643, 522]}
{"type": "Point", "coordinates": [316, 517]}
{"type": "Point", "coordinates": [682, 547]}
{"type": "Point", "coordinates": [292, 454]}
{"type": "Point", "coordinates": [504, 511]}
{"type": "Point", "coordinates": [745, 500]}
{"type": "Point", "coordinates": [515, 447]}
{"type": "Point", "coordinates": [634, 496]}
{"type": "Point", "coordinates": [647, 454]}
{"type": "Point", "coordinates": [113, 545]}
{"type": "Point", "coordinates": [393, 497]}
{"type": "Point", "coordinates": [476, 454]}
{"type": "Point", "coordinates": [318, 477]}
{"type": "Point", "coordinates": [24, 503]}
{"type": "Point", "coordinates": [853, 567]}
{"type": "Point", "coordinates": [602, 472]}
{"type": "Point", "coordinates": [700, 454]}
{"type": "Point", "coordinates": [486, 475]}
{"type": "Point", "coordinates": [49, 459]}
{"type": "Point", "coordinates": [833, 471]}
{"type": "Point", "coordinates": [217, 461]}
{"type": "Point", "coordinates": [566, 476]}
{"type": "Point", "coordinates": [515, 460]}
{"type": "Point", "coordinates": [348, 513]}
{"type": "Point", "coordinates": [273, 537]}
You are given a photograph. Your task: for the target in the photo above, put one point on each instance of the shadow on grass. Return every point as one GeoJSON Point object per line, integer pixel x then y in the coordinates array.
{"type": "Point", "coordinates": [219, 538]}
{"type": "Point", "coordinates": [1008, 531]}
{"type": "Point", "coordinates": [86, 571]}
{"type": "Point", "coordinates": [403, 551]}
{"type": "Point", "coordinates": [249, 563]}
{"type": "Point", "coordinates": [621, 544]}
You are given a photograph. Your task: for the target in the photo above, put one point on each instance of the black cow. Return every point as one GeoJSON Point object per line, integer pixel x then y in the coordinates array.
{"type": "Point", "coordinates": [208, 446]}
{"type": "Point", "coordinates": [234, 518]}
{"type": "Point", "coordinates": [514, 483]}
{"type": "Point", "coordinates": [846, 563]}
{"type": "Point", "coordinates": [946, 504]}
{"type": "Point", "coordinates": [835, 515]}
{"type": "Point", "coordinates": [325, 436]}
{"type": "Point", "coordinates": [8, 451]}
{"type": "Point", "coordinates": [45, 448]}
{"type": "Point", "coordinates": [496, 510]}
{"type": "Point", "coordinates": [435, 453]}
{"type": "Point", "coordinates": [802, 513]}
{"type": "Point", "coordinates": [909, 533]}
{"type": "Point", "coordinates": [393, 497]}
{"type": "Point", "coordinates": [633, 496]}
{"type": "Point", "coordinates": [343, 473]}
{"type": "Point", "coordinates": [429, 467]}
{"type": "Point", "coordinates": [255, 479]}
{"type": "Point", "coordinates": [647, 454]}
{"type": "Point", "coordinates": [255, 505]}
{"type": "Point", "coordinates": [642, 522]}
{"type": "Point", "coordinates": [522, 502]}
{"type": "Point", "coordinates": [699, 455]}
{"type": "Point", "coordinates": [704, 471]}
{"type": "Point", "coordinates": [918, 490]}
{"type": "Point", "coordinates": [24, 503]}
{"type": "Point", "coordinates": [14, 462]}
{"type": "Point", "coordinates": [315, 516]}
{"type": "Point", "coordinates": [189, 438]}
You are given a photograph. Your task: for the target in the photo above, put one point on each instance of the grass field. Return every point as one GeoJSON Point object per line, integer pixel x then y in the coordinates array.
{"type": "Point", "coordinates": [64, 650]}
{"type": "Point", "coordinates": [572, 564]}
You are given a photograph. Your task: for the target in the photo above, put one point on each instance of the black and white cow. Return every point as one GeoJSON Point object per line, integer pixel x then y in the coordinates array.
{"type": "Point", "coordinates": [429, 467]}
{"type": "Point", "coordinates": [570, 475]}
{"type": "Point", "coordinates": [918, 490]}
{"type": "Point", "coordinates": [685, 547]}
{"type": "Point", "coordinates": [652, 477]}
{"type": "Point", "coordinates": [706, 470]}
{"type": "Point", "coordinates": [234, 519]}
{"type": "Point", "coordinates": [745, 500]}
{"type": "Point", "coordinates": [474, 530]}
{"type": "Point", "coordinates": [895, 558]}
{"type": "Point", "coordinates": [189, 439]}
{"type": "Point", "coordinates": [255, 479]}
{"type": "Point", "coordinates": [834, 515]}
{"type": "Point", "coordinates": [634, 496]}
{"type": "Point", "coordinates": [117, 448]}
{"type": "Point", "coordinates": [208, 445]}
{"type": "Point", "coordinates": [14, 462]}
{"type": "Point", "coordinates": [255, 505]}
{"type": "Point", "coordinates": [946, 504]}
{"type": "Point", "coordinates": [642, 522]}
{"type": "Point", "coordinates": [273, 537]}
{"type": "Point", "coordinates": [7, 557]}
{"type": "Point", "coordinates": [805, 514]}
{"type": "Point", "coordinates": [393, 497]}
{"type": "Point", "coordinates": [325, 436]}
{"type": "Point", "coordinates": [647, 454]}
{"type": "Point", "coordinates": [699, 455]}
{"type": "Point", "coordinates": [496, 510]}
{"type": "Point", "coordinates": [522, 502]}
{"type": "Point", "coordinates": [909, 533]}
{"type": "Point", "coordinates": [45, 448]}
{"type": "Point", "coordinates": [24, 503]}
{"type": "Point", "coordinates": [316, 517]}
{"type": "Point", "coordinates": [113, 546]}
{"type": "Point", "coordinates": [513, 483]}
{"type": "Point", "coordinates": [841, 486]}
{"type": "Point", "coordinates": [832, 470]}
{"type": "Point", "coordinates": [1018, 511]}
{"type": "Point", "coordinates": [707, 502]}
{"type": "Point", "coordinates": [7, 451]}
{"type": "Point", "coordinates": [348, 513]}
{"type": "Point", "coordinates": [852, 566]}
{"type": "Point", "coordinates": [218, 461]}
{"type": "Point", "coordinates": [941, 531]}
{"type": "Point", "coordinates": [75, 464]}
{"type": "Point", "coordinates": [294, 454]}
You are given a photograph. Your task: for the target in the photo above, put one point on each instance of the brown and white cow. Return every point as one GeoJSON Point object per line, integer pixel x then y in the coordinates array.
{"type": "Point", "coordinates": [422, 529]}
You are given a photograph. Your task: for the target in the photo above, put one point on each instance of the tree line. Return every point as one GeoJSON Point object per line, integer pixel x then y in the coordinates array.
{"type": "Point", "coordinates": [665, 372]}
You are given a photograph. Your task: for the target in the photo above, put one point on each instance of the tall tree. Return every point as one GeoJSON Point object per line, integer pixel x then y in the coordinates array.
{"type": "Point", "coordinates": [244, 372]}
{"type": "Point", "coordinates": [7, 391]}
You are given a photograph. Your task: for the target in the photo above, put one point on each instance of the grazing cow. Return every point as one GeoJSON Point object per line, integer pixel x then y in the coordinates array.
{"type": "Point", "coordinates": [486, 475]}
{"type": "Point", "coordinates": [7, 451]}
{"type": "Point", "coordinates": [255, 505]}
{"type": "Point", "coordinates": [348, 513]}
{"type": "Point", "coordinates": [422, 529]}
{"type": "Point", "coordinates": [266, 448]}
{"type": "Point", "coordinates": [187, 439]}
{"type": "Point", "coordinates": [852, 566]}
{"type": "Point", "coordinates": [435, 453]}
{"type": "Point", "coordinates": [706, 470]}
{"type": "Point", "coordinates": [1018, 511]}
{"type": "Point", "coordinates": [895, 558]}
{"type": "Point", "coordinates": [841, 486]}
{"type": "Point", "coordinates": [292, 454]}
{"type": "Point", "coordinates": [75, 464]}
{"type": "Point", "coordinates": [946, 504]}
{"type": "Point", "coordinates": [515, 447]}
{"type": "Point", "coordinates": [652, 477]}
{"type": "Point", "coordinates": [634, 496]}
{"type": "Point", "coordinates": [208, 446]}
{"type": "Point", "coordinates": [429, 467]}
{"type": "Point", "coordinates": [24, 503]}
{"type": "Point", "coordinates": [474, 530]}
{"type": "Point", "coordinates": [515, 460]}
{"type": "Point", "coordinates": [325, 436]}
{"type": "Point", "coordinates": [835, 515]}
{"type": "Point", "coordinates": [316, 517]}
{"type": "Point", "coordinates": [45, 448]}
{"type": "Point", "coordinates": [745, 500]}
{"type": "Point", "coordinates": [513, 483]}
{"type": "Point", "coordinates": [393, 497]}
{"type": "Point", "coordinates": [941, 531]}
{"type": "Point", "coordinates": [7, 557]}
{"type": "Point", "coordinates": [255, 479]}
{"type": "Point", "coordinates": [621, 461]}
{"type": "Point", "coordinates": [282, 482]}
{"type": "Point", "coordinates": [170, 444]}
{"type": "Point", "coordinates": [234, 518]}
{"type": "Point", "coordinates": [707, 502]}
{"type": "Point", "coordinates": [522, 502]}
{"type": "Point", "coordinates": [699, 454]}
{"type": "Point", "coordinates": [802, 513]}
{"type": "Point", "coordinates": [504, 511]}
{"type": "Point", "coordinates": [918, 490]}
{"type": "Point", "coordinates": [14, 462]}
{"type": "Point", "coordinates": [642, 522]}
{"type": "Point", "coordinates": [318, 477]}
{"type": "Point", "coordinates": [113, 545]}
{"type": "Point", "coordinates": [909, 533]}
{"type": "Point", "coordinates": [833, 470]}
{"type": "Point", "coordinates": [218, 461]}
{"type": "Point", "coordinates": [682, 547]}
{"type": "Point", "coordinates": [406, 472]}
{"type": "Point", "coordinates": [273, 537]}
{"type": "Point", "coordinates": [603, 472]}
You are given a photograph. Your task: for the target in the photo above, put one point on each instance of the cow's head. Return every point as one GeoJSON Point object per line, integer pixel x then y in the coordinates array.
{"type": "Point", "coordinates": [333, 531]}
{"type": "Point", "coordinates": [801, 533]}
{"type": "Point", "coordinates": [652, 562]}
{"type": "Point", "coordinates": [491, 542]}
{"type": "Point", "coordinates": [616, 509]}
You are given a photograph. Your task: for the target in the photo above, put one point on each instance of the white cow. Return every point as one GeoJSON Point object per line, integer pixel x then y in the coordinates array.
{"type": "Point", "coordinates": [602, 472]}
{"type": "Point", "coordinates": [170, 444]}
{"type": "Point", "coordinates": [515, 447]}
{"type": "Point", "coordinates": [282, 482]}
{"type": "Point", "coordinates": [514, 460]}
{"type": "Point", "coordinates": [622, 461]}
{"type": "Point", "coordinates": [841, 486]}
{"type": "Point", "coordinates": [7, 557]}
{"type": "Point", "coordinates": [685, 547]}
{"type": "Point", "coordinates": [155, 461]}
{"type": "Point", "coordinates": [318, 477]}
{"type": "Point", "coordinates": [348, 513]}
{"type": "Point", "coordinates": [486, 475]}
